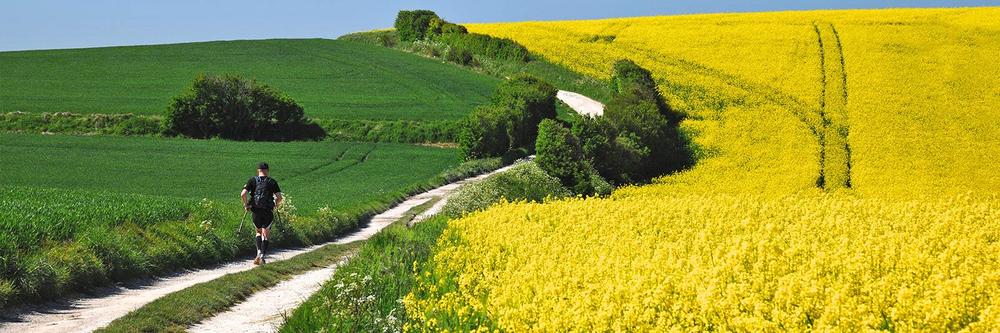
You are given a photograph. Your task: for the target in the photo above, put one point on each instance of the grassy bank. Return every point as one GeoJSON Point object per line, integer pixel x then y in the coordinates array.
{"type": "Point", "coordinates": [363, 295]}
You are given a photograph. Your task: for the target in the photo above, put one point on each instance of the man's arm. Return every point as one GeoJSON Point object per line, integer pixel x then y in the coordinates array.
{"type": "Point", "coordinates": [277, 199]}
{"type": "Point", "coordinates": [243, 197]}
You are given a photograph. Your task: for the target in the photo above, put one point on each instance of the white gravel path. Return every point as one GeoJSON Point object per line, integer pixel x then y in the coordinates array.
{"type": "Point", "coordinates": [90, 313]}
{"type": "Point", "coordinates": [265, 311]}
{"type": "Point", "coordinates": [581, 104]}
{"type": "Point", "coordinates": [93, 312]}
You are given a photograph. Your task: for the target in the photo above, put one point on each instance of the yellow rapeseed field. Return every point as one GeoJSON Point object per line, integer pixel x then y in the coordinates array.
{"type": "Point", "coordinates": [846, 179]}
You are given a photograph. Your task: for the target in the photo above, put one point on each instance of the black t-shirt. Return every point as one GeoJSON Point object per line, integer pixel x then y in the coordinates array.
{"type": "Point", "coordinates": [272, 184]}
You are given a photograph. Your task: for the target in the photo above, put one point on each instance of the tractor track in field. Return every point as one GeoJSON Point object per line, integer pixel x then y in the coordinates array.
{"type": "Point", "coordinates": [828, 125]}
{"type": "Point", "coordinates": [835, 148]}
{"type": "Point", "coordinates": [339, 158]}
{"type": "Point", "coordinates": [98, 309]}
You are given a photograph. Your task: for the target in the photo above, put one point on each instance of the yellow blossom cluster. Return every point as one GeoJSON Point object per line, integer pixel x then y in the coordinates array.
{"type": "Point", "coordinates": [846, 180]}
{"type": "Point", "coordinates": [813, 260]}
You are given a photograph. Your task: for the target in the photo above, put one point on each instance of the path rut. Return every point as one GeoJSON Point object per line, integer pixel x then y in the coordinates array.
{"type": "Point", "coordinates": [835, 149]}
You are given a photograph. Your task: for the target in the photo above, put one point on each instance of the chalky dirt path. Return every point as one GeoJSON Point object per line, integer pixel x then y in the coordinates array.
{"type": "Point", "coordinates": [581, 104]}
{"type": "Point", "coordinates": [93, 312]}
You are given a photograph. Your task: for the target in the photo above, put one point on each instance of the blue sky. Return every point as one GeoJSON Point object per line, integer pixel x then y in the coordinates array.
{"type": "Point", "coordinates": [47, 24]}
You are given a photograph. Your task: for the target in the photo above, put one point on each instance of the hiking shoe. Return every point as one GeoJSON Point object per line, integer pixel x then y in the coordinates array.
{"type": "Point", "coordinates": [262, 261]}
{"type": "Point", "coordinates": [258, 260]}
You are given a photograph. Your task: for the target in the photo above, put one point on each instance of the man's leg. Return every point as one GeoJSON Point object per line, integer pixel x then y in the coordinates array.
{"type": "Point", "coordinates": [265, 234]}
{"type": "Point", "coordinates": [258, 240]}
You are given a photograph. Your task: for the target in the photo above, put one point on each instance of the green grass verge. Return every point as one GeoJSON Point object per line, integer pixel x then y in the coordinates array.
{"type": "Point", "coordinates": [176, 311]}
{"type": "Point", "coordinates": [364, 295]}
{"type": "Point", "coordinates": [330, 79]}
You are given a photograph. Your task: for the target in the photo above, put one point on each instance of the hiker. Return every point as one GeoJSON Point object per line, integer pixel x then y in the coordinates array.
{"type": "Point", "coordinates": [265, 195]}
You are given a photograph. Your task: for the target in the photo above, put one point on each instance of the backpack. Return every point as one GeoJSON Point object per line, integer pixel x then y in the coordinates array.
{"type": "Point", "coordinates": [262, 196]}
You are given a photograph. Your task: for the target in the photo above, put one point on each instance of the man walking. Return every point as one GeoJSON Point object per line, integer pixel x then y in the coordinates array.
{"type": "Point", "coordinates": [265, 195]}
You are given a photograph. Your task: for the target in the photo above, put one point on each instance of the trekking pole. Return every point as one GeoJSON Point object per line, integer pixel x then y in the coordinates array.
{"type": "Point", "coordinates": [242, 219]}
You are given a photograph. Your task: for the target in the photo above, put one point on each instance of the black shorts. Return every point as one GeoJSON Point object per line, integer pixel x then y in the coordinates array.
{"type": "Point", "coordinates": [262, 218]}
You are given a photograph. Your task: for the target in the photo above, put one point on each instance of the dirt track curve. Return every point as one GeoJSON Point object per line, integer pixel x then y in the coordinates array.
{"type": "Point", "coordinates": [581, 104]}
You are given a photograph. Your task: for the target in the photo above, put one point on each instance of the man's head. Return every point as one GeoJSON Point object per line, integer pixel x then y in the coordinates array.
{"type": "Point", "coordinates": [262, 169]}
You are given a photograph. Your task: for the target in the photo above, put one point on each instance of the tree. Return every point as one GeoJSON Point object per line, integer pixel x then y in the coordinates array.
{"type": "Point", "coordinates": [558, 152]}
{"type": "Point", "coordinates": [412, 25]}
{"type": "Point", "coordinates": [628, 78]}
{"type": "Point", "coordinates": [531, 100]}
{"type": "Point", "coordinates": [485, 133]}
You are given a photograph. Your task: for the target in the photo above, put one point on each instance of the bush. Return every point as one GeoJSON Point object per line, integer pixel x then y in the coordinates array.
{"type": "Point", "coordinates": [412, 25]}
{"type": "Point", "coordinates": [558, 153]}
{"type": "Point", "coordinates": [484, 133]}
{"type": "Point", "coordinates": [510, 122]}
{"type": "Point", "coordinates": [627, 75]}
{"type": "Point", "coordinates": [628, 78]}
{"type": "Point", "coordinates": [599, 143]}
{"type": "Point", "coordinates": [231, 107]}
{"type": "Point", "coordinates": [525, 182]}
{"type": "Point", "coordinates": [531, 101]}
{"type": "Point", "coordinates": [641, 137]}
{"type": "Point", "coordinates": [637, 138]}
{"type": "Point", "coordinates": [421, 25]}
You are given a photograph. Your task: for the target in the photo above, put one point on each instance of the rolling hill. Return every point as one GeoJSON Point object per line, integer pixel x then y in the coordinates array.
{"type": "Point", "coordinates": [330, 79]}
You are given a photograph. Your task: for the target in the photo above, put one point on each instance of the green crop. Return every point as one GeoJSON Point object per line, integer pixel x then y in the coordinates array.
{"type": "Point", "coordinates": [339, 175]}
{"type": "Point", "coordinates": [330, 79]}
